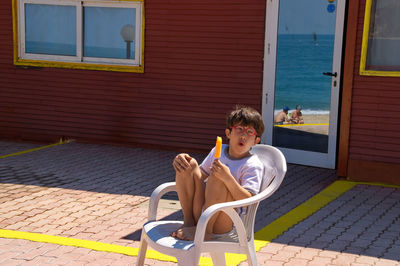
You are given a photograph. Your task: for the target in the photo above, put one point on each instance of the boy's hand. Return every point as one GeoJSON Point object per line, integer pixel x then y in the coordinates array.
{"type": "Point", "coordinates": [220, 170]}
{"type": "Point", "coordinates": [181, 162]}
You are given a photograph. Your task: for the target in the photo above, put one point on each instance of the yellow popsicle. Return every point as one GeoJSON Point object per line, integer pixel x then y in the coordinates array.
{"type": "Point", "coordinates": [218, 146]}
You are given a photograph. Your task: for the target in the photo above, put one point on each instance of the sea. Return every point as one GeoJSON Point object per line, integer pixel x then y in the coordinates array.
{"type": "Point", "coordinates": [70, 50]}
{"type": "Point", "coordinates": [301, 60]}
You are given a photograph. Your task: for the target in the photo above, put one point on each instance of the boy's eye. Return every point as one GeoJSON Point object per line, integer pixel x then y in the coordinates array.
{"type": "Point", "coordinates": [250, 131]}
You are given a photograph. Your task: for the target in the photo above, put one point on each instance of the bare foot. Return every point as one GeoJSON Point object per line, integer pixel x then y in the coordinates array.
{"type": "Point", "coordinates": [173, 234]}
{"type": "Point", "coordinates": [185, 233]}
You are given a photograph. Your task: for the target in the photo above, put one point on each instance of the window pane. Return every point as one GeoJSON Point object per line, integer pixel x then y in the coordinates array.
{"type": "Point", "coordinates": [102, 32]}
{"type": "Point", "coordinates": [50, 29]}
{"type": "Point", "coordinates": [384, 36]}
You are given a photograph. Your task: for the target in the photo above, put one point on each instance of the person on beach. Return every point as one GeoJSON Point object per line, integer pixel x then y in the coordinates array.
{"type": "Point", "coordinates": [236, 175]}
{"type": "Point", "coordinates": [297, 116]}
{"type": "Point", "coordinates": [282, 118]}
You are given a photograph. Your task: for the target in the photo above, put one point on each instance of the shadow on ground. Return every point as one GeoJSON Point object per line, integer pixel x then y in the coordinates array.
{"type": "Point", "coordinates": [97, 168]}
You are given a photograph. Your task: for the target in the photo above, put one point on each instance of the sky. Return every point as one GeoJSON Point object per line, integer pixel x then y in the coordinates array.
{"type": "Point", "coordinates": [306, 17]}
{"type": "Point", "coordinates": [57, 24]}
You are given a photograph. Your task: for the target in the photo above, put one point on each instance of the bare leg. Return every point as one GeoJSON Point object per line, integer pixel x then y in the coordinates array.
{"type": "Point", "coordinates": [190, 190]}
{"type": "Point", "coordinates": [216, 192]}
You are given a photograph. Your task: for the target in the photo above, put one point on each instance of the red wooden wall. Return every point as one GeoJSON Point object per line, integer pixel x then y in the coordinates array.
{"type": "Point", "coordinates": [374, 143]}
{"type": "Point", "coordinates": [201, 58]}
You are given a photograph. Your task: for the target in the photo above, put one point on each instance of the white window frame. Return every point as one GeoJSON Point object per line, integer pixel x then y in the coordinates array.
{"type": "Point", "coordinates": [79, 58]}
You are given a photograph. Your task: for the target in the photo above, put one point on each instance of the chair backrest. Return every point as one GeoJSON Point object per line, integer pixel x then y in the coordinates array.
{"type": "Point", "coordinates": [271, 157]}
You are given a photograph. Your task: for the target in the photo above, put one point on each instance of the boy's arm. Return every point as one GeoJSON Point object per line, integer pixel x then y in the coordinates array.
{"type": "Point", "coordinates": [237, 191]}
{"type": "Point", "coordinates": [222, 172]}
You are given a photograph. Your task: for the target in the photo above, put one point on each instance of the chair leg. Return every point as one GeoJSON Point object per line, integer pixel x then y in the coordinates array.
{"type": "Point", "coordinates": [191, 258]}
{"type": "Point", "coordinates": [142, 250]}
{"type": "Point", "coordinates": [251, 254]}
{"type": "Point", "coordinates": [218, 258]}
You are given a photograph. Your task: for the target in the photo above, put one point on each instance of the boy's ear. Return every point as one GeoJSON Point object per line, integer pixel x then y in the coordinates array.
{"type": "Point", "coordinates": [257, 140]}
{"type": "Point", "coordinates": [227, 133]}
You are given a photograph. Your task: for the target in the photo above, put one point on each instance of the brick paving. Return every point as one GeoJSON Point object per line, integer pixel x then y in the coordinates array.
{"type": "Point", "coordinates": [97, 192]}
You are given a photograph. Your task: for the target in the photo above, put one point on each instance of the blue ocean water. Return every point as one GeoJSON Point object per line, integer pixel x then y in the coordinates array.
{"type": "Point", "coordinates": [70, 50]}
{"type": "Point", "coordinates": [301, 59]}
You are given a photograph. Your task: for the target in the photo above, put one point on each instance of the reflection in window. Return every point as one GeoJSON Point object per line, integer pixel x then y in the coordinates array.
{"type": "Point", "coordinates": [50, 29]}
{"type": "Point", "coordinates": [384, 36]}
{"type": "Point", "coordinates": [102, 32]}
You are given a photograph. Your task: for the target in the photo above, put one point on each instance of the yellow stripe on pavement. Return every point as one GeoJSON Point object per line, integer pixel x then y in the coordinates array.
{"type": "Point", "coordinates": [67, 241]}
{"type": "Point", "coordinates": [34, 149]}
{"type": "Point", "coordinates": [301, 212]}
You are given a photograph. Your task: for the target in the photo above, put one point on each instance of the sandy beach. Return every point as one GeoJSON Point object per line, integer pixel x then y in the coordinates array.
{"type": "Point", "coordinates": [312, 124]}
{"type": "Point", "coordinates": [315, 119]}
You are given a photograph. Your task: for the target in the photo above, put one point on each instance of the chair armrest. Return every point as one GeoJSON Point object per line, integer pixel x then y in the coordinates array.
{"type": "Point", "coordinates": [156, 196]}
{"type": "Point", "coordinates": [248, 201]}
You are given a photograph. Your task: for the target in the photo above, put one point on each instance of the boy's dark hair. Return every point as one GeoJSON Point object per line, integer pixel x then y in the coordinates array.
{"type": "Point", "coordinates": [246, 116]}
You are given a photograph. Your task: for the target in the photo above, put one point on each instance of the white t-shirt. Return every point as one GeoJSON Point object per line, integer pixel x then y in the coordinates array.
{"type": "Point", "coordinates": [248, 171]}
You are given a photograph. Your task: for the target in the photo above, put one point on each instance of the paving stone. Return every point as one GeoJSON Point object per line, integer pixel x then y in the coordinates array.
{"type": "Point", "coordinates": [324, 225]}
{"type": "Point", "coordinates": [383, 242]}
{"type": "Point", "coordinates": [363, 243]}
{"type": "Point", "coordinates": [285, 238]}
{"type": "Point", "coordinates": [367, 235]}
{"type": "Point", "coordinates": [386, 262]}
{"type": "Point", "coordinates": [318, 261]}
{"type": "Point", "coordinates": [318, 244]}
{"type": "Point", "coordinates": [392, 256]}
{"type": "Point", "coordinates": [347, 237]}
{"type": "Point", "coordinates": [327, 237]}
{"type": "Point", "coordinates": [374, 251]}
{"type": "Point", "coordinates": [344, 259]}
{"type": "Point", "coordinates": [336, 231]}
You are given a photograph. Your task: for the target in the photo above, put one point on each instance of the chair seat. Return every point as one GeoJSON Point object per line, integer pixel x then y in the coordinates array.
{"type": "Point", "coordinates": [159, 232]}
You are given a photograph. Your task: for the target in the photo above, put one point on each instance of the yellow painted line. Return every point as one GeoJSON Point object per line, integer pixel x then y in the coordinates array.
{"type": "Point", "coordinates": [262, 237]}
{"type": "Point", "coordinates": [299, 125]}
{"type": "Point", "coordinates": [94, 245]}
{"type": "Point", "coordinates": [34, 149]}
{"type": "Point", "coordinates": [301, 212]}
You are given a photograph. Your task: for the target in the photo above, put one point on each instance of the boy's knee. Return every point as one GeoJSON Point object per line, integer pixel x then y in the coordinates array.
{"type": "Point", "coordinates": [193, 164]}
{"type": "Point", "coordinates": [192, 170]}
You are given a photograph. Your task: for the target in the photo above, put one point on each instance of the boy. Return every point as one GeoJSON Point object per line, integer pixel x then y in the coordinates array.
{"type": "Point", "coordinates": [282, 118]}
{"type": "Point", "coordinates": [297, 116]}
{"type": "Point", "coordinates": [236, 175]}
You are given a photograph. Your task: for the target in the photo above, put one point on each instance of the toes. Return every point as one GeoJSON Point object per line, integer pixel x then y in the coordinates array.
{"type": "Point", "coordinates": [174, 233]}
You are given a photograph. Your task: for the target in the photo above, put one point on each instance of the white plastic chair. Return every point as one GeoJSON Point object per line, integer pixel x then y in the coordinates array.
{"type": "Point", "coordinates": [156, 234]}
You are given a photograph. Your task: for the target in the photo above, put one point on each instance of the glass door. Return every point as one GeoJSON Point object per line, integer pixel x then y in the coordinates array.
{"type": "Point", "coordinates": [301, 78]}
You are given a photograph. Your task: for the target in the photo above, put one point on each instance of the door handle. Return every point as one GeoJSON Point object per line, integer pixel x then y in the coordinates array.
{"type": "Point", "coordinates": [330, 74]}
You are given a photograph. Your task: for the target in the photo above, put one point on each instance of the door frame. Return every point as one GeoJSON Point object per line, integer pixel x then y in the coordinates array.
{"type": "Point", "coordinates": [326, 160]}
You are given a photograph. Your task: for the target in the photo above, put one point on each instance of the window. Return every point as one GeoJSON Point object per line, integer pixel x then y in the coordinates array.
{"type": "Point", "coordinates": [103, 35]}
{"type": "Point", "coordinates": [381, 39]}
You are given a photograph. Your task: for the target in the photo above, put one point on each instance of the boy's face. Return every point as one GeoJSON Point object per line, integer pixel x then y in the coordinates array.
{"type": "Point", "coordinates": [241, 139]}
